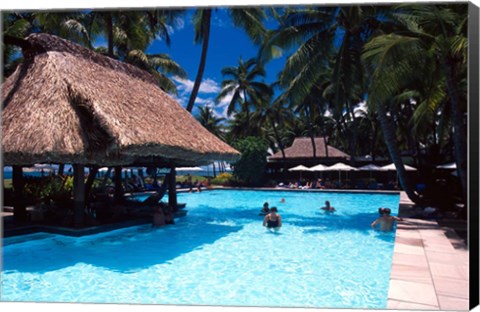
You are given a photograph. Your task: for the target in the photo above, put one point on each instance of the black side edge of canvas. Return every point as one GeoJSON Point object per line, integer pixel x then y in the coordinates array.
{"type": "Point", "coordinates": [473, 81]}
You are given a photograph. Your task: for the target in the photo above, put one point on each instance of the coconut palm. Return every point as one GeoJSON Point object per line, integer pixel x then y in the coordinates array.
{"type": "Point", "coordinates": [212, 123]}
{"type": "Point", "coordinates": [159, 65]}
{"type": "Point", "coordinates": [244, 88]}
{"type": "Point", "coordinates": [250, 19]}
{"type": "Point", "coordinates": [275, 118]}
{"type": "Point", "coordinates": [396, 59]}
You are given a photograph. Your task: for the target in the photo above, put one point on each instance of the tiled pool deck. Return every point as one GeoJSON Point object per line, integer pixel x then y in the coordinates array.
{"type": "Point", "coordinates": [430, 266]}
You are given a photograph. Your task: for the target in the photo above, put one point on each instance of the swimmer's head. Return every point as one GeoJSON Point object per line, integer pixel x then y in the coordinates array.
{"type": "Point", "coordinates": [265, 204]}
{"type": "Point", "coordinates": [273, 209]}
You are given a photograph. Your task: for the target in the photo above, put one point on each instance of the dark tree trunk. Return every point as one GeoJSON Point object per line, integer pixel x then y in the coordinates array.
{"type": "Point", "coordinates": [109, 22]}
{"type": "Point", "coordinates": [280, 146]}
{"type": "Point", "coordinates": [203, 59]}
{"type": "Point", "coordinates": [310, 131]}
{"type": "Point", "coordinates": [389, 135]}
{"type": "Point", "coordinates": [459, 133]}
{"type": "Point", "coordinates": [19, 209]}
{"type": "Point", "coordinates": [90, 180]}
{"type": "Point", "coordinates": [353, 138]}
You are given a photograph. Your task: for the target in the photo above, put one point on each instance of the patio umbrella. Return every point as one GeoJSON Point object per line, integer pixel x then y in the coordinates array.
{"type": "Point", "coordinates": [391, 167]}
{"type": "Point", "coordinates": [300, 168]}
{"type": "Point", "coordinates": [318, 167]}
{"type": "Point", "coordinates": [450, 166]}
{"type": "Point", "coordinates": [370, 168]}
{"type": "Point", "coordinates": [341, 167]}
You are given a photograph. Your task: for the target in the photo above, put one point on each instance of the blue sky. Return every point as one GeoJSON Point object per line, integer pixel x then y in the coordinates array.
{"type": "Point", "coordinates": [226, 46]}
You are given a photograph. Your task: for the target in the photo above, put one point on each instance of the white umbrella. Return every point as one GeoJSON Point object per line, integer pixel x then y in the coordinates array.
{"type": "Point", "coordinates": [371, 167]}
{"type": "Point", "coordinates": [318, 167]}
{"type": "Point", "coordinates": [299, 168]}
{"type": "Point", "coordinates": [391, 167]}
{"type": "Point", "coordinates": [341, 167]}
{"type": "Point", "coordinates": [450, 166]}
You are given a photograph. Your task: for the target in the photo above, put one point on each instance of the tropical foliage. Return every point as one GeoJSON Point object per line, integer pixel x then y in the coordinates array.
{"type": "Point", "coordinates": [379, 80]}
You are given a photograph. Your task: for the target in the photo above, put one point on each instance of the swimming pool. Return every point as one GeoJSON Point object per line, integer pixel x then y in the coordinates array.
{"type": "Point", "coordinates": [219, 254]}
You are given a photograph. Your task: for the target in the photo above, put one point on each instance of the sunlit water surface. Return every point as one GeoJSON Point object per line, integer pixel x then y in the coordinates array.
{"type": "Point", "coordinates": [219, 254]}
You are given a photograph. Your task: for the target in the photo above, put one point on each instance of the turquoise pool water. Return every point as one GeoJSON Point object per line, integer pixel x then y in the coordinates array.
{"type": "Point", "coordinates": [219, 254]}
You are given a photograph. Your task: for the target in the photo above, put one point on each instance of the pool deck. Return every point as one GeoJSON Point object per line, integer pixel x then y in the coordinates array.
{"type": "Point", "coordinates": [430, 267]}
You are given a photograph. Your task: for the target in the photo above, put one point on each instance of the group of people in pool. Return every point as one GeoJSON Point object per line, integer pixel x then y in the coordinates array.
{"type": "Point", "coordinates": [273, 220]}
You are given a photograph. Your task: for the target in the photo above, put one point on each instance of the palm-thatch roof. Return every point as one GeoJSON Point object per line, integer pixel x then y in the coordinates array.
{"type": "Point", "coordinates": [302, 149]}
{"type": "Point", "coordinates": [68, 104]}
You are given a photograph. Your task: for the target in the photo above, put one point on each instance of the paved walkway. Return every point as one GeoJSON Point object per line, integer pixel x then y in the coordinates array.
{"type": "Point", "coordinates": [430, 266]}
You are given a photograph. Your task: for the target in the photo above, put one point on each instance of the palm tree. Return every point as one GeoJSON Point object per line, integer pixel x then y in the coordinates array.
{"type": "Point", "coordinates": [275, 116]}
{"type": "Point", "coordinates": [395, 59]}
{"type": "Point", "coordinates": [326, 39]}
{"type": "Point", "coordinates": [212, 123]}
{"type": "Point", "coordinates": [159, 65]}
{"type": "Point", "coordinates": [243, 86]}
{"type": "Point", "coordinates": [250, 19]}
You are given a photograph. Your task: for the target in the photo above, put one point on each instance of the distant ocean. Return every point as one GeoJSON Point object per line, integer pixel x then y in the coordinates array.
{"type": "Point", "coordinates": [7, 174]}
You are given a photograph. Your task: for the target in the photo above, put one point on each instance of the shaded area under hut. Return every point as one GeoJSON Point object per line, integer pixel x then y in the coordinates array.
{"type": "Point", "coordinates": [66, 104]}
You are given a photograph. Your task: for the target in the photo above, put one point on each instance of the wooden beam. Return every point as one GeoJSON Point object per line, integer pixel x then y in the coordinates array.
{"type": "Point", "coordinates": [78, 196]}
{"type": "Point", "coordinates": [172, 189]}
{"type": "Point", "coordinates": [118, 197]}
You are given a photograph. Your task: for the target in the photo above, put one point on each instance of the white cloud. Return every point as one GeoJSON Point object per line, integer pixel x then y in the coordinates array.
{"type": "Point", "coordinates": [207, 86]}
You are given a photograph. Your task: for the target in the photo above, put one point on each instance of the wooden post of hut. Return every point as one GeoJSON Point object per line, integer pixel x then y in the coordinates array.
{"type": "Point", "coordinates": [19, 209]}
{"type": "Point", "coordinates": [118, 196]}
{"type": "Point", "coordinates": [172, 189]}
{"type": "Point", "coordinates": [78, 195]}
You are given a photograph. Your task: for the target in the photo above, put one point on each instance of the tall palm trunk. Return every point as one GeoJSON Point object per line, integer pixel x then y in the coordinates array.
{"type": "Point", "coordinates": [389, 136]}
{"type": "Point", "coordinates": [203, 60]}
{"type": "Point", "coordinates": [247, 112]}
{"type": "Point", "coordinates": [459, 133]}
{"type": "Point", "coordinates": [280, 146]}
{"type": "Point", "coordinates": [310, 131]}
{"type": "Point", "coordinates": [353, 137]}
{"type": "Point", "coordinates": [109, 22]}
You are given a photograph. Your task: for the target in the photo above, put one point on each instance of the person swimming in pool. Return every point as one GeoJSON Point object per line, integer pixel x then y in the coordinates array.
{"type": "Point", "coordinates": [273, 220]}
{"type": "Point", "coordinates": [265, 210]}
{"type": "Point", "coordinates": [386, 221]}
{"type": "Point", "coordinates": [328, 207]}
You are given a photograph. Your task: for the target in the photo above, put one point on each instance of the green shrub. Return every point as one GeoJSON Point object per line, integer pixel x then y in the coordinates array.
{"type": "Point", "coordinates": [250, 168]}
{"type": "Point", "coordinates": [223, 178]}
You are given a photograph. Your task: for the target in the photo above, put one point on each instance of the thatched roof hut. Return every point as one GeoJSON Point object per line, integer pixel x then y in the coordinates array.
{"type": "Point", "coordinates": [67, 104]}
{"type": "Point", "coordinates": [302, 151]}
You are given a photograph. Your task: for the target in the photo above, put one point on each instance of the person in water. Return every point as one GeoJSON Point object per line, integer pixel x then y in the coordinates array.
{"type": "Point", "coordinates": [328, 207]}
{"type": "Point", "coordinates": [385, 221]}
{"type": "Point", "coordinates": [265, 210]}
{"type": "Point", "coordinates": [273, 220]}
